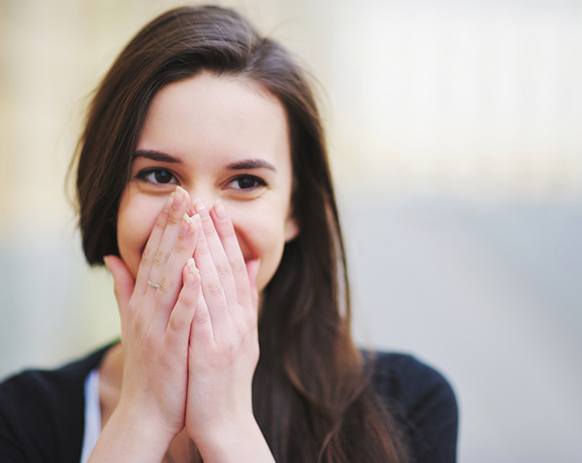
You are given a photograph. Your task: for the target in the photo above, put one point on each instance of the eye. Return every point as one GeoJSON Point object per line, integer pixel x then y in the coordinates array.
{"type": "Point", "coordinates": [248, 182]}
{"type": "Point", "coordinates": [161, 176]}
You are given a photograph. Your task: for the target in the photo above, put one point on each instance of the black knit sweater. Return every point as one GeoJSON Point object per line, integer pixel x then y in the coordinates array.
{"type": "Point", "coordinates": [42, 411]}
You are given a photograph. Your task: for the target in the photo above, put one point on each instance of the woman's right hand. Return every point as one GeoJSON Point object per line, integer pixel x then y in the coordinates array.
{"type": "Point", "coordinates": [155, 322]}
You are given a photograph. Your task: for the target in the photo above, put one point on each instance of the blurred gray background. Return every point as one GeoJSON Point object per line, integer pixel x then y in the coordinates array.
{"type": "Point", "coordinates": [456, 142]}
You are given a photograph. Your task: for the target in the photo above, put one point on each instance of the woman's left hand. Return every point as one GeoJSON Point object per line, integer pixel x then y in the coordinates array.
{"type": "Point", "coordinates": [224, 346]}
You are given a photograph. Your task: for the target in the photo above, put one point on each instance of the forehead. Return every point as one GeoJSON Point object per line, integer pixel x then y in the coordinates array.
{"type": "Point", "coordinates": [209, 118]}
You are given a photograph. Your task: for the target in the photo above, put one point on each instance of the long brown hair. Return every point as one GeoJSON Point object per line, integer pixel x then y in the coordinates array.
{"type": "Point", "coordinates": [313, 395]}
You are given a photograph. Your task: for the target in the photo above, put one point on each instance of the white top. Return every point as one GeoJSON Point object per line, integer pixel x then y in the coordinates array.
{"type": "Point", "coordinates": [92, 414]}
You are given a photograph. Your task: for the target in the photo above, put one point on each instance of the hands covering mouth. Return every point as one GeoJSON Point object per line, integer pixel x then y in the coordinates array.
{"type": "Point", "coordinates": [189, 325]}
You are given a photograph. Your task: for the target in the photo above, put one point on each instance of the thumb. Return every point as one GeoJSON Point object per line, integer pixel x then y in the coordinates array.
{"type": "Point", "coordinates": [123, 282]}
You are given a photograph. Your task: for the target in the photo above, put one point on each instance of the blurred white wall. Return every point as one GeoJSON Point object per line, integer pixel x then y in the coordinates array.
{"type": "Point", "coordinates": [456, 143]}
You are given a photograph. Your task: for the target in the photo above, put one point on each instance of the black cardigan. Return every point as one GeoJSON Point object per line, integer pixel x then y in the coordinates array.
{"type": "Point", "coordinates": [42, 411]}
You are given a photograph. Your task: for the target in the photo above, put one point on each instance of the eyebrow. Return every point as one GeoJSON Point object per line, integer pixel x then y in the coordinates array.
{"type": "Point", "coordinates": [243, 164]}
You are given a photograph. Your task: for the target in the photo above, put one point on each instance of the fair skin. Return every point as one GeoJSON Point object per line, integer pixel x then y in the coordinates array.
{"type": "Point", "coordinates": [180, 382]}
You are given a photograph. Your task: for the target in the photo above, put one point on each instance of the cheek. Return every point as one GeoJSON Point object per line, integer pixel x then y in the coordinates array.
{"type": "Point", "coordinates": [269, 264]}
{"type": "Point", "coordinates": [260, 233]}
{"type": "Point", "coordinates": [263, 238]}
{"type": "Point", "coordinates": [134, 224]}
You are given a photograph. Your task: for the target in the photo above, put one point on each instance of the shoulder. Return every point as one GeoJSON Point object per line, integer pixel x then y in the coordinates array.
{"type": "Point", "coordinates": [41, 412]}
{"type": "Point", "coordinates": [421, 399]}
{"type": "Point", "coordinates": [405, 378]}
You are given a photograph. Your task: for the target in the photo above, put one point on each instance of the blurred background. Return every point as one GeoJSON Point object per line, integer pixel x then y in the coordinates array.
{"type": "Point", "coordinates": [455, 132]}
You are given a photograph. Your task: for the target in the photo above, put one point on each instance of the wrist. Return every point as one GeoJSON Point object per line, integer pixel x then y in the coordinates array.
{"type": "Point", "coordinates": [143, 425]}
{"type": "Point", "coordinates": [242, 441]}
{"type": "Point", "coordinates": [131, 436]}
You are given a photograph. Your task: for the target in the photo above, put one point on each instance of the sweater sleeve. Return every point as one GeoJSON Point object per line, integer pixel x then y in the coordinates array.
{"type": "Point", "coordinates": [424, 404]}
{"type": "Point", "coordinates": [26, 432]}
{"type": "Point", "coordinates": [42, 412]}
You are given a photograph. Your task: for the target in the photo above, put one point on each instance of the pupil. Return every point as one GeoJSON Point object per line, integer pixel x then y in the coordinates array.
{"type": "Point", "coordinates": [246, 182]}
{"type": "Point", "coordinates": [162, 176]}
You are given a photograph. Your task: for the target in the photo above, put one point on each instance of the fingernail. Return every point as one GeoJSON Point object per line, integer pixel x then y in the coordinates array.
{"type": "Point", "coordinates": [219, 209]}
{"type": "Point", "coordinates": [192, 266]}
{"type": "Point", "coordinates": [171, 199]}
{"type": "Point", "coordinates": [187, 218]}
{"type": "Point", "coordinates": [178, 197]}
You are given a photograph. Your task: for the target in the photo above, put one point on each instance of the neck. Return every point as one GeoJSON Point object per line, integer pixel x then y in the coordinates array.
{"type": "Point", "coordinates": [111, 368]}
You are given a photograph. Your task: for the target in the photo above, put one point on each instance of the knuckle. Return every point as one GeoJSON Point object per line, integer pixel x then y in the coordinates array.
{"type": "Point", "coordinates": [223, 269]}
{"type": "Point", "coordinates": [161, 258]}
{"type": "Point", "coordinates": [201, 317]}
{"type": "Point", "coordinates": [238, 266]}
{"type": "Point", "coordinates": [250, 323]}
{"type": "Point", "coordinates": [138, 324]}
{"type": "Point", "coordinates": [164, 285]}
{"type": "Point", "coordinates": [255, 351]}
{"type": "Point", "coordinates": [146, 255]}
{"type": "Point", "coordinates": [202, 249]}
{"type": "Point", "coordinates": [132, 306]}
{"type": "Point", "coordinates": [229, 349]}
{"type": "Point", "coordinates": [218, 222]}
{"type": "Point", "coordinates": [241, 332]}
{"type": "Point", "coordinates": [179, 322]}
{"type": "Point", "coordinates": [161, 220]}
{"type": "Point", "coordinates": [226, 230]}
{"type": "Point", "coordinates": [187, 298]}
{"type": "Point", "coordinates": [150, 342]}
{"type": "Point", "coordinates": [174, 219]}
{"type": "Point", "coordinates": [249, 318]}
{"type": "Point", "coordinates": [207, 227]}
{"type": "Point", "coordinates": [184, 233]}
{"type": "Point", "coordinates": [214, 288]}
{"type": "Point", "coordinates": [179, 248]}
{"type": "Point", "coordinates": [208, 233]}
{"type": "Point", "coordinates": [117, 293]}
{"type": "Point", "coordinates": [159, 296]}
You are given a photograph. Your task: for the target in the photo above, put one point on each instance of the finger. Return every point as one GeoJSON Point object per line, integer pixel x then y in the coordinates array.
{"type": "Point", "coordinates": [212, 290]}
{"type": "Point", "coordinates": [201, 329]}
{"type": "Point", "coordinates": [219, 258]}
{"type": "Point", "coordinates": [184, 247]}
{"type": "Point", "coordinates": [226, 232]}
{"type": "Point", "coordinates": [123, 283]}
{"type": "Point", "coordinates": [152, 246]}
{"type": "Point", "coordinates": [178, 328]}
{"type": "Point", "coordinates": [253, 270]}
{"type": "Point", "coordinates": [164, 273]}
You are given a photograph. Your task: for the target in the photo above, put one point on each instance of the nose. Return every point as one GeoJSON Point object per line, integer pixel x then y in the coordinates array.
{"type": "Point", "coordinates": [201, 195]}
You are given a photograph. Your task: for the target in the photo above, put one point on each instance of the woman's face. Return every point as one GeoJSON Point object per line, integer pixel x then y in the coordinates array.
{"type": "Point", "coordinates": [199, 133]}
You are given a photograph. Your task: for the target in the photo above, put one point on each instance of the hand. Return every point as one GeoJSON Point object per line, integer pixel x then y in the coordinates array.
{"type": "Point", "coordinates": [155, 321]}
{"type": "Point", "coordinates": [224, 347]}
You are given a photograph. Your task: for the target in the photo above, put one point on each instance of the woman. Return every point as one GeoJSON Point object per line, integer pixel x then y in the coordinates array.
{"type": "Point", "coordinates": [203, 185]}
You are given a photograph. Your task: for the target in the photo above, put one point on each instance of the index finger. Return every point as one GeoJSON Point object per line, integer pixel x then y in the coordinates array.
{"type": "Point", "coordinates": [233, 253]}
{"type": "Point", "coordinates": [151, 247]}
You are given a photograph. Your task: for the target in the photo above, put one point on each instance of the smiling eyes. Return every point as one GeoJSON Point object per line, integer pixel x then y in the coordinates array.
{"type": "Point", "coordinates": [164, 176]}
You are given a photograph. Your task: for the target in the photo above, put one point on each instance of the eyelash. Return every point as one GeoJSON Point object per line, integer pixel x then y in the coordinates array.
{"type": "Point", "coordinates": [144, 173]}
